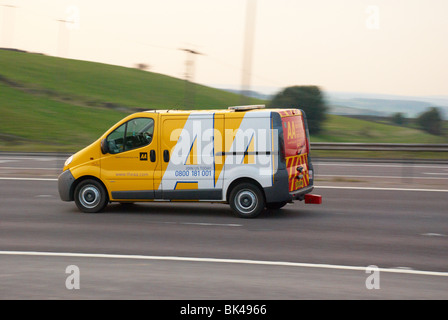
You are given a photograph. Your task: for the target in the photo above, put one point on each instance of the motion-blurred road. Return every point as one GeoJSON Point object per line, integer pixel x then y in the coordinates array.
{"type": "Point", "coordinates": [368, 217]}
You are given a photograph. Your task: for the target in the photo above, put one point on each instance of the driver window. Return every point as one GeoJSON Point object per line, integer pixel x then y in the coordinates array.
{"type": "Point", "coordinates": [135, 133]}
{"type": "Point", "coordinates": [115, 140]}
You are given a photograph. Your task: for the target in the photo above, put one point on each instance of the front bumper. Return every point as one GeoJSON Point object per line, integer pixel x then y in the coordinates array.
{"type": "Point", "coordinates": [65, 184]}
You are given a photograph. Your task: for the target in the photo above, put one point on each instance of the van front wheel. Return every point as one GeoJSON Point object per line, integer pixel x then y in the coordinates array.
{"type": "Point", "coordinates": [247, 200]}
{"type": "Point", "coordinates": [90, 196]}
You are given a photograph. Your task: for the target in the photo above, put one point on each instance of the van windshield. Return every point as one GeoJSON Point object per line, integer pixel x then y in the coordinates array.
{"type": "Point", "coordinates": [294, 135]}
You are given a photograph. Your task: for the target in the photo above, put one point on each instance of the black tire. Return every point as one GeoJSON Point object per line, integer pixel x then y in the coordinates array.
{"type": "Point", "coordinates": [247, 200]}
{"type": "Point", "coordinates": [90, 196]}
{"type": "Point", "coordinates": [276, 205]}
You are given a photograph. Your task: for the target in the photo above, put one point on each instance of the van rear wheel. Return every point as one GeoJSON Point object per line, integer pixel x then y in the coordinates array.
{"type": "Point", "coordinates": [90, 196]}
{"type": "Point", "coordinates": [247, 200]}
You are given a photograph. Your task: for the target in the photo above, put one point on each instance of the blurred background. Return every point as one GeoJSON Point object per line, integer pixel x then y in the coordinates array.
{"type": "Point", "coordinates": [363, 71]}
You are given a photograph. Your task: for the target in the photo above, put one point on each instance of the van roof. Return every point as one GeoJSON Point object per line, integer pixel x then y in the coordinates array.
{"type": "Point", "coordinates": [238, 109]}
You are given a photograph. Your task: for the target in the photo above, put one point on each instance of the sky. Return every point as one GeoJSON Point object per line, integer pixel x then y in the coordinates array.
{"type": "Point", "coordinates": [372, 46]}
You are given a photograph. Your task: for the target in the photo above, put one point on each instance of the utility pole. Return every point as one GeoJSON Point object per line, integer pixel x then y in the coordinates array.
{"type": "Point", "coordinates": [8, 25]}
{"type": "Point", "coordinates": [63, 38]}
{"type": "Point", "coordinates": [189, 76]}
{"type": "Point", "coordinates": [248, 50]}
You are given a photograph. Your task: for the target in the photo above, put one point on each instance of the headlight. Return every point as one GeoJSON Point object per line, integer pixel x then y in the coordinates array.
{"type": "Point", "coordinates": [68, 161]}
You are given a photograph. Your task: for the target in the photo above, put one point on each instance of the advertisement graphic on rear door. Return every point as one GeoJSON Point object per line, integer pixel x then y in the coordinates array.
{"type": "Point", "coordinates": [296, 149]}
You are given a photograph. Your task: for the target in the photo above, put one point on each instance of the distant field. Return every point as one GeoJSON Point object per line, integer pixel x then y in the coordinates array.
{"type": "Point", "coordinates": [345, 129]}
{"type": "Point", "coordinates": [53, 104]}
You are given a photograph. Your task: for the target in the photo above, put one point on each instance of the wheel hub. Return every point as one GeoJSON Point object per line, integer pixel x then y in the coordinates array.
{"type": "Point", "coordinates": [89, 196]}
{"type": "Point", "coordinates": [246, 201]}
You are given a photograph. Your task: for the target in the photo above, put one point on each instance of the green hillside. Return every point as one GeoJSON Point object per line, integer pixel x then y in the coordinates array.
{"type": "Point", "coordinates": [54, 104]}
{"type": "Point", "coordinates": [95, 84]}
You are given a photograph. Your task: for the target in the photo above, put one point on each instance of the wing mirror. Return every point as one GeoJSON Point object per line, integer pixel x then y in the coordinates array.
{"type": "Point", "coordinates": [104, 146]}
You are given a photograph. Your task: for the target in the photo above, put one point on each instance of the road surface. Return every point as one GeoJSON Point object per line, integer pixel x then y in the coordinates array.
{"type": "Point", "coordinates": [392, 216]}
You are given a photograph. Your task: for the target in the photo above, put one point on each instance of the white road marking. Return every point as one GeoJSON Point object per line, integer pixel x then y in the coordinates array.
{"type": "Point", "coordinates": [433, 235]}
{"type": "Point", "coordinates": [380, 189]}
{"type": "Point", "coordinates": [200, 224]}
{"type": "Point", "coordinates": [390, 177]}
{"type": "Point", "coordinates": [29, 168]}
{"type": "Point", "coordinates": [217, 260]}
{"type": "Point", "coordinates": [33, 158]}
{"type": "Point", "coordinates": [28, 179]}
{"type": "Point", "coordinates": [212, 224]}
{"type": "Point", "coordinates": [401, 165]}
{"type": "Point", "coordinates": [436, 173]}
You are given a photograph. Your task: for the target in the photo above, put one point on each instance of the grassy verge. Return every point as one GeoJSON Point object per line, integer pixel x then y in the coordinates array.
{"type": "Point", "coordinates": [32, 123]}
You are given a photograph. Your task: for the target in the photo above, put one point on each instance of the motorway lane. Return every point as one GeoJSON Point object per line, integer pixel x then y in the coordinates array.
{"type": "Point", "coordinates": [52, 165]}
{"type": "Point", "coordinates": [382, 228]}
{"type": "Point", "coordinates": [390, 229]}
{"type": "Point", "coordinates": [24, 277]}
{"type": "Point", "coordinates": [389, 171]}
{"type": "Point", "coordinates": [335, 173]}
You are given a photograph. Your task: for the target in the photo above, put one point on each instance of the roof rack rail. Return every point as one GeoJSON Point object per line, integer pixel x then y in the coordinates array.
{"type": "Point", "coordinates": [246, 108]}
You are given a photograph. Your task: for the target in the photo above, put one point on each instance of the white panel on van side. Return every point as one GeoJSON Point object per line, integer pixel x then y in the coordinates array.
{"type": "Point", "coordinates": [192, 160]}
{"type": "Point", "coordinates": [251, 152]}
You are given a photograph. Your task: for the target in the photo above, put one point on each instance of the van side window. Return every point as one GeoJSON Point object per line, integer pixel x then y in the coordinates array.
{"type": "Point", "coordinates": [115, 140]}
{"type": "Point", "coordinates": [135, 133]}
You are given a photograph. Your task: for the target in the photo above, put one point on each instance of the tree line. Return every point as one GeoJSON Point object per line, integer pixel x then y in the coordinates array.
{"type": "Point", "coordinates": [430, 121]}
{"type": "Point", "coordinates": [311, 100]}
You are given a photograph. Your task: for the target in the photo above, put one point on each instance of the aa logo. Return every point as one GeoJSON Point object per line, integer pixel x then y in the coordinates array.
{"type": "Point", "coordinates": [143, 156]}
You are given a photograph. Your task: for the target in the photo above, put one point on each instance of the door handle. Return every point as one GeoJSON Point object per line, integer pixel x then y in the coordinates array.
{"type": "Point", "coordinates": [152, 155]}
{"type": "Point", "coordinates": [166, 155]}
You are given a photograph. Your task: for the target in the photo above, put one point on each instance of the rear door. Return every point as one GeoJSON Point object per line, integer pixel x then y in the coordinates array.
{"type": "Point", "coordinates": [296, 148]}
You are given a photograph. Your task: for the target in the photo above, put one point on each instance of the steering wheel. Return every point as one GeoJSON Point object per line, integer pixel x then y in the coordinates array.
{"type": "Point", "coordinates": [147, 136]}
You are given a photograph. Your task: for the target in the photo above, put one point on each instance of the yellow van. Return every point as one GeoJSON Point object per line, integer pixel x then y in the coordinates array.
{"type": "Point", "coordinates": [249, 157]}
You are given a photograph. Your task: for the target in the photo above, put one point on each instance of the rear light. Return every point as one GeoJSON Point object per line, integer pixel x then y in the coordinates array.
{"type": "Point", "coordinates": [313, 199]}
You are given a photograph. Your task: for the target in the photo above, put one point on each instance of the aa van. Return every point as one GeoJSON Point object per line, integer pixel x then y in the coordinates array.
{"type": "Point", "coordinates": [250, 157]}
